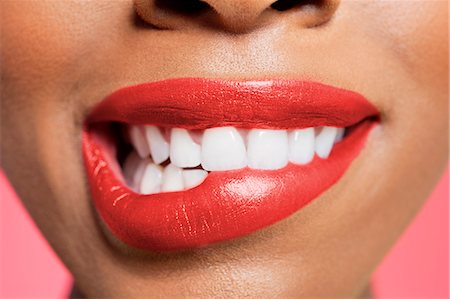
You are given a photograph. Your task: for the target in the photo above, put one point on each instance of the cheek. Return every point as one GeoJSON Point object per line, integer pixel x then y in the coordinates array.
{"type": "Point", "coordinates": [49, 45]}
{"type": "Point", "coordinates": [48, 50]}
{"type": "Point", "coordinates": [413, 40]}
{"type": "Point", "coordinates": [38, 47]}
{"type": "Point", "coordinates": [45, 52]}
{"type": "Point", "coordinates": [417, 32]}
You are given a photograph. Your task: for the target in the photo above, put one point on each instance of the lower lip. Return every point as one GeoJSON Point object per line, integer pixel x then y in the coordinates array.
{"type": "Point", "coordinates": [225, 206]}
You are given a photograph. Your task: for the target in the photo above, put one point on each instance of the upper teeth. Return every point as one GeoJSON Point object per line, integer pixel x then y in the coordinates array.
{"type": "Point", "coordinates": [301, 146]}
{"type": "Point", "coordinates": [217, 149]}
{"type": "Point", "coordinates": [223, 149]}
{"type": "Point", "coordinates": [159, 147]}
{"type": "Point", "coordinates": [267, 149]}
{"type": "Point", "coordinates": [324, 141]}
{"type": "Point", "coordinates": [184, 152]}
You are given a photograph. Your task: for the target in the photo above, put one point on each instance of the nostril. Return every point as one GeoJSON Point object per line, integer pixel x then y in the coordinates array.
{"type": "Point", "coordinates": [283, 5]}
{"type": "Point", "coordinates": [182, 6]}
{"type": "Point", "coordinates": [232, 15]}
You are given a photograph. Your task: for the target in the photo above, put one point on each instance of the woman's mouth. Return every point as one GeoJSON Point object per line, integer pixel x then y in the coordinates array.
{"type": "Point", "coordinates": [184, 163]}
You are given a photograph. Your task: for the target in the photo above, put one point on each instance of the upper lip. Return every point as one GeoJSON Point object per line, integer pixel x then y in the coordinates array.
{"type": "Point", "coordinates": [231, 203]}
{"type": "Point", "coordinates": [195, 103]}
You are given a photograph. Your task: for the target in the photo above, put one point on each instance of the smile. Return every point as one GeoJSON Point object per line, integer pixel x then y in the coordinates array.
{"type": "Point", "coordinates": [184, 163]}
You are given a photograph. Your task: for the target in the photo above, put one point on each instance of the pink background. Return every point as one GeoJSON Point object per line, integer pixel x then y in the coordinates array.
{"type": "Point", "coordinates": [417, 267]}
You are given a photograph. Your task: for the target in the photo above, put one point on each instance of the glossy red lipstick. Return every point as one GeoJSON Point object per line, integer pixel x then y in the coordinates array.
{"type": "Point", "coordinates": [227, 204]}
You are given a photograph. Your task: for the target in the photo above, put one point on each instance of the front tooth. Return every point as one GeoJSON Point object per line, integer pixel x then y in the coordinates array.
{"type": "Point", "coordinates": [301, 146]}
{"type": "Point", "coordinates": [339, 135]}
{"type": "Point", "coordinates": [193, 177]}
{"type": "Point", "coordinates": [325, 141]}
{"type": "Point", "coordinates": [151, 179]}
{"type": "Point", "coordinates": [139, 141]}
{"type": "Point", "coordinates": [159, 147]}
{"type": "Point", "coordinates": [223, 149]}
{"type": "Point", "coordinates": [172, 178]}
{"type": "Point", "coordinates": [184, 152]}
{"type": "Point", "coordinates": [267, 149]}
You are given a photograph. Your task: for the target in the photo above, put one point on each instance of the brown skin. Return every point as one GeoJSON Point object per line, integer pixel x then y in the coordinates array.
{"type": "Point", "coordinates": [60, 58]}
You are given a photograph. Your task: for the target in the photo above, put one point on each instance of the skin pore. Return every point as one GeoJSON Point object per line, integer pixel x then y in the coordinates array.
{"type": "Point", "coordinates": [60, 58]}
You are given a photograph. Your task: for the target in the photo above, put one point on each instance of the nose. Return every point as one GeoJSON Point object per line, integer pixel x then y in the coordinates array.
{"type": "Point", "coordinates": [233, 15]}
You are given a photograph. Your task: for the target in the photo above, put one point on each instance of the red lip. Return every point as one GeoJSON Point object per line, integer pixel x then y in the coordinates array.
{"type": "Point", "coordinates": [231, 203]}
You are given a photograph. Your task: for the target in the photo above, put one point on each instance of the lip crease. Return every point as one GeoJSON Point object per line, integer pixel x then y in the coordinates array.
{"type": "Point", "coordinates": [228, 204]}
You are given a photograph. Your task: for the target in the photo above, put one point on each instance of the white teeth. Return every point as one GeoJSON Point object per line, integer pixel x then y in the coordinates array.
{"type": "Point", "coordinates": [339, 135]}
{"type": "Point", "coordinates": [193, 177]}
{"type": "Point", "coordinates": [324, 141]}
{"type": "Point", "coordinates": [184, 152]}
{"type": "Point", "coordinates": [172, 178]}
{"type": "Point", "coordinates": [301, 146]}
{"type": "Point", "coordinates": [151, 179]}
{"type": "Point", "coordinates": [267, 149]}
{"type": "Point", "coordinates": [223, 149]}
{"type": "Point", "coordinates": [139, 141]}
{"type": "Point", "coordinates": [159, 147]}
